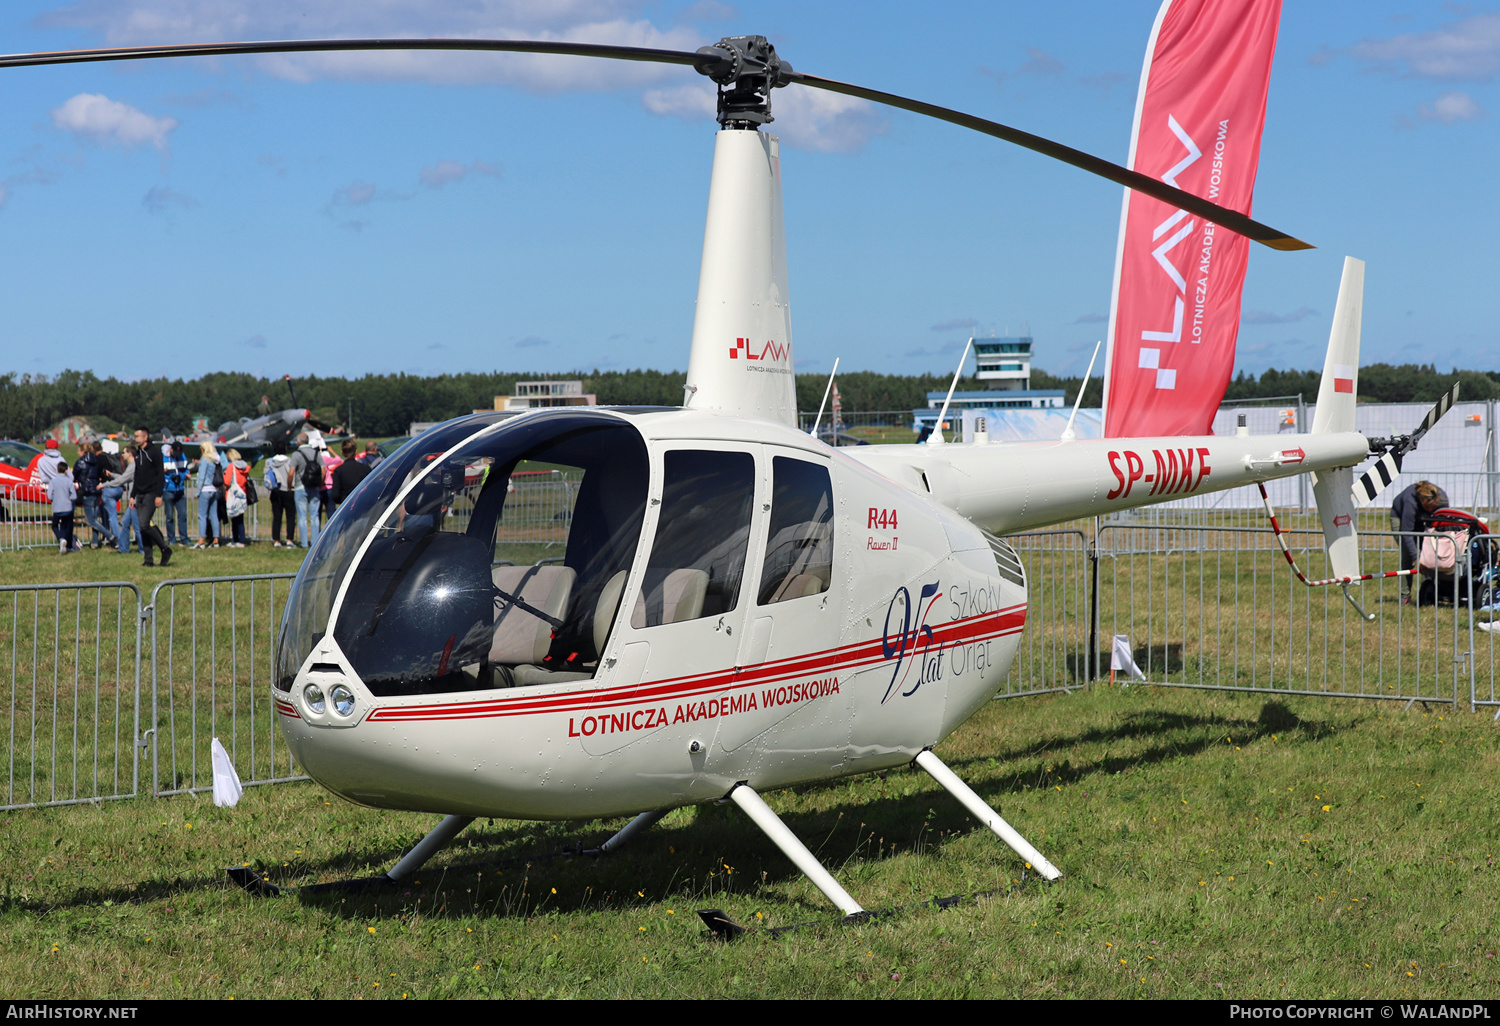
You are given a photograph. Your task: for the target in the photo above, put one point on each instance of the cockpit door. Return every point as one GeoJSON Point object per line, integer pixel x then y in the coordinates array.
{"type": "Point", "coordinates": [790, 661]}
{"type": "Point", "coordinates": [690, 596]}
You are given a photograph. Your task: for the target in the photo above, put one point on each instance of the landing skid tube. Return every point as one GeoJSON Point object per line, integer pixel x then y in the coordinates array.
{"type": "Point", "coordinates": [981, 811]}
{"type": "Point", "coordinates": [725, 928]}
{"type": "Point", "coordinates": [761, 815]}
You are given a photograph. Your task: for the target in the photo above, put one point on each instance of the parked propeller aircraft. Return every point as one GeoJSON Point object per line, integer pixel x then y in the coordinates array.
{"type": "Point", "coordinates": [738, 606]}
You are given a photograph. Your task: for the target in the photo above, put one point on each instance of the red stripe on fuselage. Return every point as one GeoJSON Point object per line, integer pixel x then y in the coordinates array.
{"type": "Point", "coordinates": [856, 656]}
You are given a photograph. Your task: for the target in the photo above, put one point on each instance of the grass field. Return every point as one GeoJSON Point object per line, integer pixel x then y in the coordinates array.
{"type": "Point", "coordinates": [1213, 846]}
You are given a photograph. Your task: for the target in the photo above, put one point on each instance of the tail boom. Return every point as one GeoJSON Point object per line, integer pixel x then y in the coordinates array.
{"type": "Point", "coordinates": [1008, 488]}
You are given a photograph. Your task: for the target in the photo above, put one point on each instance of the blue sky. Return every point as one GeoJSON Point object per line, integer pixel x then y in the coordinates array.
{"type": "Point", "coordinates": [344, 214]}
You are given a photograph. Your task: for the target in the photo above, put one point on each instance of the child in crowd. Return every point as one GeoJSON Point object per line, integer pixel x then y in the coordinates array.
{"type": "Point", "coordinates": [62, 491]}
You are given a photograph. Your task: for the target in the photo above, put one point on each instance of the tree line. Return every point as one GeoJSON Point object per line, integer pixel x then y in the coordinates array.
{"type": "Point", "coordinates": [383, 405]}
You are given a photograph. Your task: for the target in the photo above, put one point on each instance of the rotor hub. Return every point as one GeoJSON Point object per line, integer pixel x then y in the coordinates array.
{"type": "Point", "coordinates": [746, 70]}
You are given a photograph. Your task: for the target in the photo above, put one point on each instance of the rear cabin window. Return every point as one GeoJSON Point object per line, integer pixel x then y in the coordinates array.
{"type": "Point", "coordinates": [799, 546]}
{"type": "Point", "coordinates": [697, 562]}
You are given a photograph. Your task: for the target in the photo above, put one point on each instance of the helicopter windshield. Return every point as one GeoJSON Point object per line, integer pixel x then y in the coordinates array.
{"type": "Point", "coordinates": [487, 561]}
{"type": "Point", "coordinates": [311, 598]}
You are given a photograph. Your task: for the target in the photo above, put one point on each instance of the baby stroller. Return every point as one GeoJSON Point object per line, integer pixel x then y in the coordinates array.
{"type": "Point", "coordinates": [1445, 572]}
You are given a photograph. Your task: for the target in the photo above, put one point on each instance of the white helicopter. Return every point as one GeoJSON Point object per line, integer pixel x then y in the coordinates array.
{"type": "Point", "coordinates": [739, 606]}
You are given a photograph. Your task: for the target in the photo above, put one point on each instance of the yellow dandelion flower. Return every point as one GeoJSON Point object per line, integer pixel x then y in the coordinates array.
{"type": "Point", "coordinates": [554, 890]}
{"type": "Point", "coordinates": [370, 928]}
{"type": "Point", "coordinates": [1123, 962]}
{"type": "Point", "coordinates": [1328, 808]}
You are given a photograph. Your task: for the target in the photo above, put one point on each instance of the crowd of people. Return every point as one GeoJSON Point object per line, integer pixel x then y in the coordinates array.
{"type": "Point", "coordinates": [121, 489]}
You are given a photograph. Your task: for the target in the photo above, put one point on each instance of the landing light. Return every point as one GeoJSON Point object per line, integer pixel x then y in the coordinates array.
{"type": "Point", "coordinates": [343, 699]}
{"type": "Point", "coordinates": [313, 696]}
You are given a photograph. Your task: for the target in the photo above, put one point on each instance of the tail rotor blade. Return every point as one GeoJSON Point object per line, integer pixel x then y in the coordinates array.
{"type": "Point", "coordinates": [1379, 477]}
{"type": "Point", "coordinates": [1433, 416]}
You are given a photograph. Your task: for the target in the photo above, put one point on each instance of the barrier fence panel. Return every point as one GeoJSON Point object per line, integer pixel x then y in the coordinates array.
{"type": "Point", "coordinates": [73, 702]}
{"type": "Point", "coordinates": [27, 525]}
{"type": "Point", "coordinates": [1217, 608]}
{"type": "Point", "coordinates": [1482, 590]}
{"type": "Point", "coordinates": [1054, 648]}
{"type": "Point", "coordinates": [212, 657]}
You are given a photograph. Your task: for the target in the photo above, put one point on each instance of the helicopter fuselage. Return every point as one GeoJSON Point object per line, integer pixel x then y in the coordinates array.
{"type": "Point", "coordinates": [832, 622]}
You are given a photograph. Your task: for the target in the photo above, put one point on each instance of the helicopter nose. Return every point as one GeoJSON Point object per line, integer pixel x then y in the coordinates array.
{"type": "Point", "coordinates": [324, 698]}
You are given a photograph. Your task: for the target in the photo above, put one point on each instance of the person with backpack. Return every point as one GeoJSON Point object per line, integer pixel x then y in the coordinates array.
{"type": "Point", "coordinates": [279, 485]}
{"type": "Point", "coordinates": [89, 477]}
{"type": "Point", "coordinates": [236, 498]}
{"type": "Point", "coordinates": [307, 473]}
{"type": "Point", "coordinates": [210, 484]}
{"type": "Point", "coordinates": [117, 488]}
{"type": "Point", "coordinates": [174, 492]}
{"type": "Point", "coordinates": [112, 486]}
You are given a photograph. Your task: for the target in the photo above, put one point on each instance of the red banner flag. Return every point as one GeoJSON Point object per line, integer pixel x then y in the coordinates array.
{"type": "Point", "coordinates": [1175, 311]}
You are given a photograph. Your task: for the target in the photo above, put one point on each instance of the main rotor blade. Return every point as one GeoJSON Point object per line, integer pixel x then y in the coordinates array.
{"type": "Point", "coordinates": [704, 60]}
{"type": "Point", "coordinates": [129, 53]}
{"type": "Point", "coordinates": [1222, 216]}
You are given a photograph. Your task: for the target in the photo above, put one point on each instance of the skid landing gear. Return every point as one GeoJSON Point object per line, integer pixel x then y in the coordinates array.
{"type": "Point", "coordinates": [760, 813]}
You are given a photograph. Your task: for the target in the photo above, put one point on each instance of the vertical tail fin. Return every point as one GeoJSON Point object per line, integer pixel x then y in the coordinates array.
{"type": "Point", "coordinates": [1337, 395]}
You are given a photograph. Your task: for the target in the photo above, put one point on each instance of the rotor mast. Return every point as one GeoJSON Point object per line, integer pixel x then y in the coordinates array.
{"type": "Point", "coordinates": [741, 358]}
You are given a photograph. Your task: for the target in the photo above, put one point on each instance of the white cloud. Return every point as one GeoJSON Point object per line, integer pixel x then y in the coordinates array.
{"type": "Point", "coordinates": [815, 119]}
{"type": "Point", "coordinates": [805, 118]}
{"type": "Point", "coordinates": [161, 200]}
{"type": "Point", "coordinates": [355, 194]}
{"type": "Point", "coordinates": [435, 176]}
{"type": "Point", "coordinates": [1467, 50]}
{"type": "Point", "coordinates": [144, 22]}
{"type": "Point", "coordinates": [1450, 107]}
{"type": "Point", "coordinates": [693, 102]}
{"type": "Point", "coordinates": [1039, 62]}
{"type": "Point", "coordinates": [95, 116]}
{"type": "Point", "coordinates": [1268, 317]}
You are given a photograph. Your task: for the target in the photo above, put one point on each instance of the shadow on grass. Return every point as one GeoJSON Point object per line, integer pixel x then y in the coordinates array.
{"type": "Point", "coordinates": [705, 854]}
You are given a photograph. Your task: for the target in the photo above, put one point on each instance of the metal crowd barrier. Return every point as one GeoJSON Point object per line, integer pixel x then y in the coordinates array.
{"type": "Point", "coordinates": [212, 658]}
{"type": "Point", "coordinates": [112, 696]}
{"type": "Point", "coordinates": [74, 700]}
{"type": "Point", "coordinates": [1481, 589]}
{"type": "Point", "coordinates": [1217, 608]}
{"type": "Point", "coordinates": [1054, 650]}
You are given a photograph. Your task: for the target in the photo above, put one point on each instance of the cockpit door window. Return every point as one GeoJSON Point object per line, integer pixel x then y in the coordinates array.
{"type": "Point", "coordinates": [799, 539]}
{"type": "Point", "coordinates": [697, 563]}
